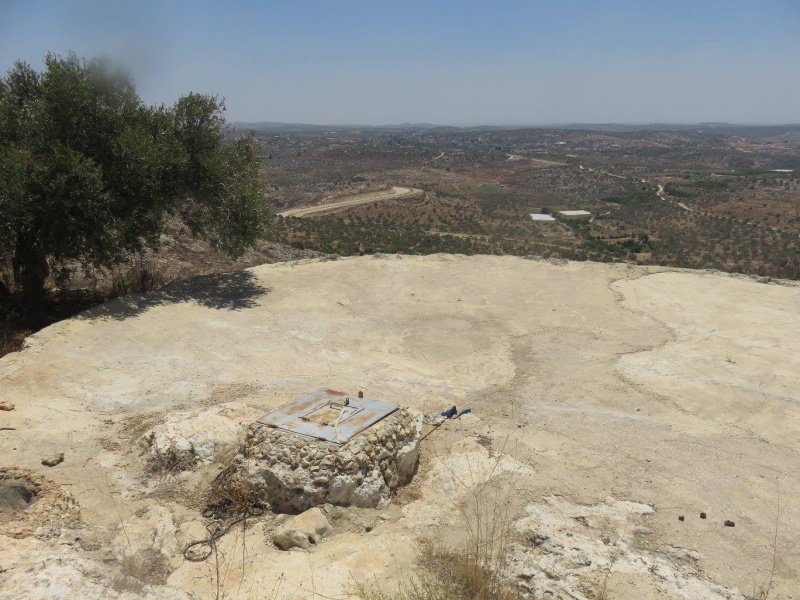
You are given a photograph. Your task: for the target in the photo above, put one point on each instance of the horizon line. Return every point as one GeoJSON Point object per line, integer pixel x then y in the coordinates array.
{"type": "Point", "coordinates": [528, 125]}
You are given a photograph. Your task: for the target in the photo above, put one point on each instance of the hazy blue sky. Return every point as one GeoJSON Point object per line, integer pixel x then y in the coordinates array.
{"type": "Point", "coordinates": [492, 61]}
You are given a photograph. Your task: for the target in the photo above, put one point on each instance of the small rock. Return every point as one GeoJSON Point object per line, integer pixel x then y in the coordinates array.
{"type": "Point", "coordinates": [583, 560]}
{"type": "Point", "coordinates": [551, 547]}
{"type": "Point", "coordinates": [43, 532]}
{"type": "Point", "coordinates": [369, 493]}
{"type": "Point", "coordinates": [703, 515]}
{"type": "Point", "coordinates": [55, 460]}
{"type": "Point", "coordinates": [281, 519]}
{"type": "Point", "coordinates": [537, 539]}
{"type": "Point", "coordinates": [7, 406]}
{"type": "Point", "coordinates": [303, 531]}
{"type": "Point", "coordinates": [729, 523]}
{"type": "Point", "coordinates": [341, 489]}
{"type": "Point", "coordinates": [434, 419]}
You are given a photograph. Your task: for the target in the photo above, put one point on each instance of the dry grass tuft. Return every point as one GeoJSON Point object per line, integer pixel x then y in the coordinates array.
{"type": "Point", "coordinates": [601, 592]}
{"type": "Point", "coordinates": [12, 340]}
{"type": "Point", "coordinates": [473, 568]}
{"type": "Point", "coordinates": [145, 275]}
{"type": "Point", "coordinates": [230, 493]}
{"type": "Point", "coordinates": [148, 567]}
{"type": "Point", "coordinates": [170, 460]}
{"type": "Point", "coordinates": [764, 591]}
{"type": "Point", "coordinates": [447, 575]}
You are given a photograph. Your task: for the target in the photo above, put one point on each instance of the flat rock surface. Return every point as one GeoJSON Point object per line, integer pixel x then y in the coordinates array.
{"type": "Point", "coordinates": [610, 385]}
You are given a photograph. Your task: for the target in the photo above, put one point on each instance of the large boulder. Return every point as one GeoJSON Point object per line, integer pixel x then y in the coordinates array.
{"type": "Point", "coordinates": [294, 473]}
{"type": "Point", "coordinates": [302, 531]}
{"type": "Point", "coordinates": [186, 440]}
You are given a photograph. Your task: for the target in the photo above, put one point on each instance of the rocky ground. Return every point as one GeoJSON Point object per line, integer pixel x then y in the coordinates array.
{"type": "Point", "coordinates": [179, 256]}
{"type": "Point", "coordinates": [611, 406]}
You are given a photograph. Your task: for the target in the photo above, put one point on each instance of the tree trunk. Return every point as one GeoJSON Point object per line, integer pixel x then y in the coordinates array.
{"type": "Point", "coordinates": [30, 272]}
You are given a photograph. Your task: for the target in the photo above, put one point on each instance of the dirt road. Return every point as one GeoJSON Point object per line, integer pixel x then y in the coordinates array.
{"type": "Point", "coordinates": [663, 195]}
{"type": "Point", "coordinates": [394, 193]}
{"type": "Point", "coordinates": [541, 162]}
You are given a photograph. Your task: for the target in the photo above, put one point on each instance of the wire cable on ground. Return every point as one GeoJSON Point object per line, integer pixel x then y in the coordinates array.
{"type": "Point", "coordinates": [216, 529]}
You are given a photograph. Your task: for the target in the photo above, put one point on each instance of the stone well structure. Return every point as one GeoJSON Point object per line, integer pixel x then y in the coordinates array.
{"type": "Point", "coordinates": [294, 472]}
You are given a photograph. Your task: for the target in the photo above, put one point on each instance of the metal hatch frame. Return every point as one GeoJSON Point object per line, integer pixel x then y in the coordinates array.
{"type": "Point", "coordinates": [328, 415]}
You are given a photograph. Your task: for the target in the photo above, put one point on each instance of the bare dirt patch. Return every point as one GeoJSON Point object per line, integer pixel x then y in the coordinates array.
{"type": "Point", "coordinates": [394, 193]}
{"type": "Point", "coordinates": [16, 494]}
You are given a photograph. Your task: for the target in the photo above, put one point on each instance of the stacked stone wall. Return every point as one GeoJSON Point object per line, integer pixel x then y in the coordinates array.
{"type": "Point", "coordinates": [294, 473]}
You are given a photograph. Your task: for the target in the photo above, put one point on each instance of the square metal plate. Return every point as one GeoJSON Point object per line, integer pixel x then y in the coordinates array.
{"type": "Point", "coordinates": [328, 415]}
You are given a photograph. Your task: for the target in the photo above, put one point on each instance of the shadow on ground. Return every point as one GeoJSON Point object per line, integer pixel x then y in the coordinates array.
{"type": "Point", "coordinates": [224, 291]}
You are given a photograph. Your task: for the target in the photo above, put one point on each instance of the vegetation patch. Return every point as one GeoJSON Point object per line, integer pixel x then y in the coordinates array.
{"type": "Point", "coordinates": [645, 196]}
{"type": "Point", "coordinates": [447, 575]}
{"type": "Point", "coordinates": [490, 188]}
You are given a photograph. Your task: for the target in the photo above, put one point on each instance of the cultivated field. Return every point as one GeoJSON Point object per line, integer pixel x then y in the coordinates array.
{"type": "Point", "coordinates": [673, 197]}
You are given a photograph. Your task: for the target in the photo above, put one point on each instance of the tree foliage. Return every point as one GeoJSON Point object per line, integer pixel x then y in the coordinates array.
{"type": "Point", "coordinates": [89, 172]}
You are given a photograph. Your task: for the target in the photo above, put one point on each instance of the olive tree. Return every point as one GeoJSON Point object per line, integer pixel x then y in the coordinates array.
{"type": "Point", "coordinates": [89, 172]}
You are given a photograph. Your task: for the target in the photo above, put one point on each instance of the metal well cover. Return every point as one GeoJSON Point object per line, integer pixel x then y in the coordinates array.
{"type": "Point", "coordinates": [329, 415]}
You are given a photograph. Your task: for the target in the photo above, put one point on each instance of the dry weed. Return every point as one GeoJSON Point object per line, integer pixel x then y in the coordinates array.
{"type": "Point", "coordinates": [169, 460]}
{"type": "Point", "coordinates": [473, 568]}
{"type": "Point", "coordinates": [446, 575]}
{"type": "Point", "coordinates": [763, 591]}
{"type": "Point", "coordinates": [601, 593]}
{"type": "Point", "coordinates": [144, 275]}
{"type": "Point", "coordinates": [12, 340]}
{"type": "Point", "coordinates": [148, 567]}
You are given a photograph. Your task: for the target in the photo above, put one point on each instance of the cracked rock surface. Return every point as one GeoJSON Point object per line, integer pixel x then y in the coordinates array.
{"type": "Point", "coordinates": [597, 391]}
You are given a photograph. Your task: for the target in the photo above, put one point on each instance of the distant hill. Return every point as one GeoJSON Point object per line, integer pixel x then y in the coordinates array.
{"type": "Point", "coordinates": [759, 131]}
{"type": "Point", "coordinates": [754, 131]}
{"type": "Point", "coordinates": [294, 127]}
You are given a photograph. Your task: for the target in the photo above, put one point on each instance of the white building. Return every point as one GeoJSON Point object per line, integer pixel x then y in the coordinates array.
{"type": "Point", "coordinates": [575, 214]}
{"type": "Point", "coordinates": [541, 217]}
